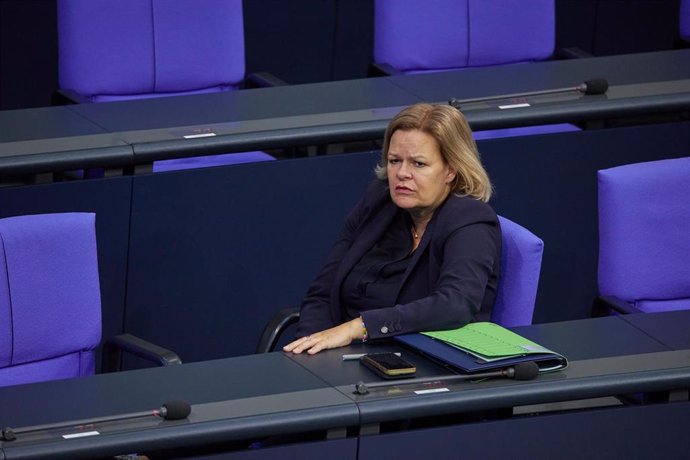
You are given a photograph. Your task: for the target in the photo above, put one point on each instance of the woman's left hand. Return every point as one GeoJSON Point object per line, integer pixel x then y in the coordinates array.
{"type": "Point", "coordinates": [338, 336]}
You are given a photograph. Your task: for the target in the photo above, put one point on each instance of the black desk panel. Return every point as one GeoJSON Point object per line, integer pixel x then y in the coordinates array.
{"type": "Point", "coordinates": [243, 398]}
{"type": "Point", "coordinates": [55, 139]}
{"type": "Point", "coordinates": [670, 328]}
{"type": "Point", "coordinates": [599, 366]}
{"type": "Point", "coordinates": [593, 338]}
{"type": "Point", "coordinates": [620, 71]}
{"type": "Point", "coordinates": [252, 119]}
{"type": "Point", "coordinates": [643, 432]}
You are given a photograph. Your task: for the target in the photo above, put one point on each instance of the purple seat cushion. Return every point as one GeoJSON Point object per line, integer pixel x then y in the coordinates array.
{"type": "Point", "coordinates": [49, 293]}
{"type": "Point", "coordinates": [644, 233]}
{"type": "Point", "coordinates": [139, 47]}
{"type": "Point", "coordinates": [520, 268]}
{"type": "Point", "coordinates": [449, 34]}
{"type": "Point", "coordinates": [77, 364]}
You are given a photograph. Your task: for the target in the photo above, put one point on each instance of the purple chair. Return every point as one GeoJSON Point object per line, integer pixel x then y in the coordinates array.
{"type": "Point", "coordinates": [137, 49]}
{"type": "Point", "coordinates": [644, 237]}
{"type": "Point", "coordinates": [50, 305]}
{"type": "Point", "coordinates": [684, 23]}
{"type": "Point", "coordinates": [413, 37]}
{"type": "Point", "coordinates": [521, 257]}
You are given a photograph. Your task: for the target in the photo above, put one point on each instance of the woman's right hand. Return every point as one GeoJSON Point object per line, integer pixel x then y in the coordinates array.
{"type": "Point", "coordinates": [335, 337]}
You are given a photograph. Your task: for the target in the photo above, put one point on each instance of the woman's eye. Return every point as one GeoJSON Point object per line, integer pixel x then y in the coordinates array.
{"type": "Point", "coordinates": [393, 161]}
{"type": "Point", "coordinates": [419, 164]}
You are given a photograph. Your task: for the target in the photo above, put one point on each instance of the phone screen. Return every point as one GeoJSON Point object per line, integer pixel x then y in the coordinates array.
{"type": "Point", "coordinates": [389, 364]}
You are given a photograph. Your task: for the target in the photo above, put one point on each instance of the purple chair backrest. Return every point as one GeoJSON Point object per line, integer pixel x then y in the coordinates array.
{"type": "Point", "coordinates": [124, 49]}
{"type": "Point", "coordinates": [644, 234]}
{"type": "Point", "coordinates": [50, 306]}
{"type": "Point", "coordinates": [684, 24]}
{"type": "Point", "coordinates": [520, 268]}
{"type": "Point", "coordinates": [413, 35]}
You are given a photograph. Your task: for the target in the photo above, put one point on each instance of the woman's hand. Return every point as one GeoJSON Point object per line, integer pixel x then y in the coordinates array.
{"type": "Point", "coordinates": [338, 336]}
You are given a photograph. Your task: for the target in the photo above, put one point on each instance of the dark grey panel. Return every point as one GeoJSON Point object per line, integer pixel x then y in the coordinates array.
{"type": "Point", "coordinates": [215, 252]}
{"type": "Point", "coordinates": [239, 399]}
{"type": "Point", "coordinates": [667, 327]}
{"type": "Point", "coordinates": [634, 432]}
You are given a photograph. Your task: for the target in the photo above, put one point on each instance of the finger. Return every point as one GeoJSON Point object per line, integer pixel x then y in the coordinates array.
{"type": "Point", "coordinates": [291, 346]}
{"type": "Point", "coordinates": [318, 346]}
{"type": "Point", "coordinates": [305, 343]}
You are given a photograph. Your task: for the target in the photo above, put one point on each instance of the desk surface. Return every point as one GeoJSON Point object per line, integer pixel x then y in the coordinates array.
{"type": "Point", "coordinates": [152, 129]}
{"type": "Point", "coordinates": [669, 328]}
{"type": "Point", "coordinates": [249, 397]}
{"type": "Point", "coordinates": [237, 398]}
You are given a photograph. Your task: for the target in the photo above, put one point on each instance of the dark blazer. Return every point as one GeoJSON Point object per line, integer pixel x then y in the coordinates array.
{"type": "Point", "coordinates": [453, 273]}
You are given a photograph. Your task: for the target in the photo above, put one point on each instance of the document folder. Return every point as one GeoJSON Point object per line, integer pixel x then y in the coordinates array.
{"type": "Point", "coordinates": [479, 347]}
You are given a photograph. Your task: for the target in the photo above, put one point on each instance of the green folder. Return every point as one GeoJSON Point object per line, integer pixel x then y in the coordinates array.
{"type": "Point", "coordinates": [490, 342]}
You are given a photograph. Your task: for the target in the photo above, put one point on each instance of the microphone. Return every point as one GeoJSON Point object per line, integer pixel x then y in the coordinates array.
{"type": "Point", "coordinates": [521, 371]}
{"type": "Point", "coordinates": [171, 410]}
{"type": "Point", "coordinates": [589, 87]}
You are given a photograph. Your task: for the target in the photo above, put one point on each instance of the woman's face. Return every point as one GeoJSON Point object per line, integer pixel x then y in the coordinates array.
{"type": "Point", "coordinates": [418, 177]}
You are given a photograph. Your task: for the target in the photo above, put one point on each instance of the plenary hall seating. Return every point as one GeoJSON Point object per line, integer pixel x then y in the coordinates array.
{"type": "Point", "coordinates": [121, 50]}
{"type": "Point", "coordinates": [644, 237]}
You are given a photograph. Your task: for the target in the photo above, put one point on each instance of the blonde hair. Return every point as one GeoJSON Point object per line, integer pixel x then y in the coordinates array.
{"type": "Point", "coordinates": [453, 134]}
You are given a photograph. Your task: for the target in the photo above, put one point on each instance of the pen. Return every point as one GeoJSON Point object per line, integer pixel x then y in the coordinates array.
{"type": "Point", "coordinates": [359, 355]}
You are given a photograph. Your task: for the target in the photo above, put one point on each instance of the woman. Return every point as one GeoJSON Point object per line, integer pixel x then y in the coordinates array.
{"type": "Point", "coordinates": [420, 251]}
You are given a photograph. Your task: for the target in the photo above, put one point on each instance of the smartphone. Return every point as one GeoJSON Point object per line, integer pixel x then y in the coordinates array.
{"type": "Point", "coordinates": [388, 365]}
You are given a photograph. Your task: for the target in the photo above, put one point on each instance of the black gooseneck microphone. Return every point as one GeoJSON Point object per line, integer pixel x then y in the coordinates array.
{"type": "Point", "coordinates": [589, 87]}
{"type": "Point", "coordinates": [521, 371]}
{"type": "Point", "coordinates": [171, 410]}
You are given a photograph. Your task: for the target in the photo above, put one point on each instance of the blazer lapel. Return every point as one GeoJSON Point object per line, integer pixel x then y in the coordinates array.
{"type": "Point", "coordinates": [371, 234]}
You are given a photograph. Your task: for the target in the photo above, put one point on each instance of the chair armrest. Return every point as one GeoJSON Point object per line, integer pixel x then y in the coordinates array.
{"type": "Point", "coordinates": [275, 327]}
{"type": "Point", "coordinates": [114, 346]}
{"type": "Point", "coordinates": [381, 69]}
{"type": "Point", "coordinates": [605, 305]}
{"type": "Point", "coordinates": [67, 97]}
{"type": "Point", "coordinates": [572, 53]}
{"type": "Point", "coordinates": [263, 80]}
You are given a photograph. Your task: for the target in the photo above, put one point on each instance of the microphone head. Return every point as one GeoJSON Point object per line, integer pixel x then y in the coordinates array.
{"type": "Point", "coordinates": [595, 86]}
{"type": "Point", "coordinates": [361, 388]}
{"type": "Point", "coordinates": [8, 434]}
{"type": "Point", "coordinates": [175, 410]}
{"type": "Point", "coordinates": [526, 371]}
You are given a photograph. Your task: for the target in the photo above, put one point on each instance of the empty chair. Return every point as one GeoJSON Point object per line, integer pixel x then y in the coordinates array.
{"type": "Point", "coordinates": [418, 37]}
{"type": "Point", "coordinates": [137, 49]}
{"type": "Point", "coordinates": [521, 258]}
{"type": "Point", "coordinates": [113, 51]}
{"type": "Point", "coordinates": [412, 36]}
{"type": "Point", "coordinates": [50, 306]}
{"type": "Point", "coordinates": [644, 237]}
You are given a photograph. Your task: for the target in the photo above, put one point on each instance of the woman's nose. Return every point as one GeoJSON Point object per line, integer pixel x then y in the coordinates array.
{"type": "Point", "coordinates": [404, 171]}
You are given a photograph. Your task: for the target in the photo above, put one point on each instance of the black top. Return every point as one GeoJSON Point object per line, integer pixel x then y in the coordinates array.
{"type": "Point", "coordinates": [375, 281]}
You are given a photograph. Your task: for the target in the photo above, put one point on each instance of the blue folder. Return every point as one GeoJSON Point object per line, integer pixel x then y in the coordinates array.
{"type": "Point", "coordinates": [466, 363]}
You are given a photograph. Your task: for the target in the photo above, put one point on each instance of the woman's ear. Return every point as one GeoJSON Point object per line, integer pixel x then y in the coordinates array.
{"type": "Point", "coordinates": [450, 176]}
